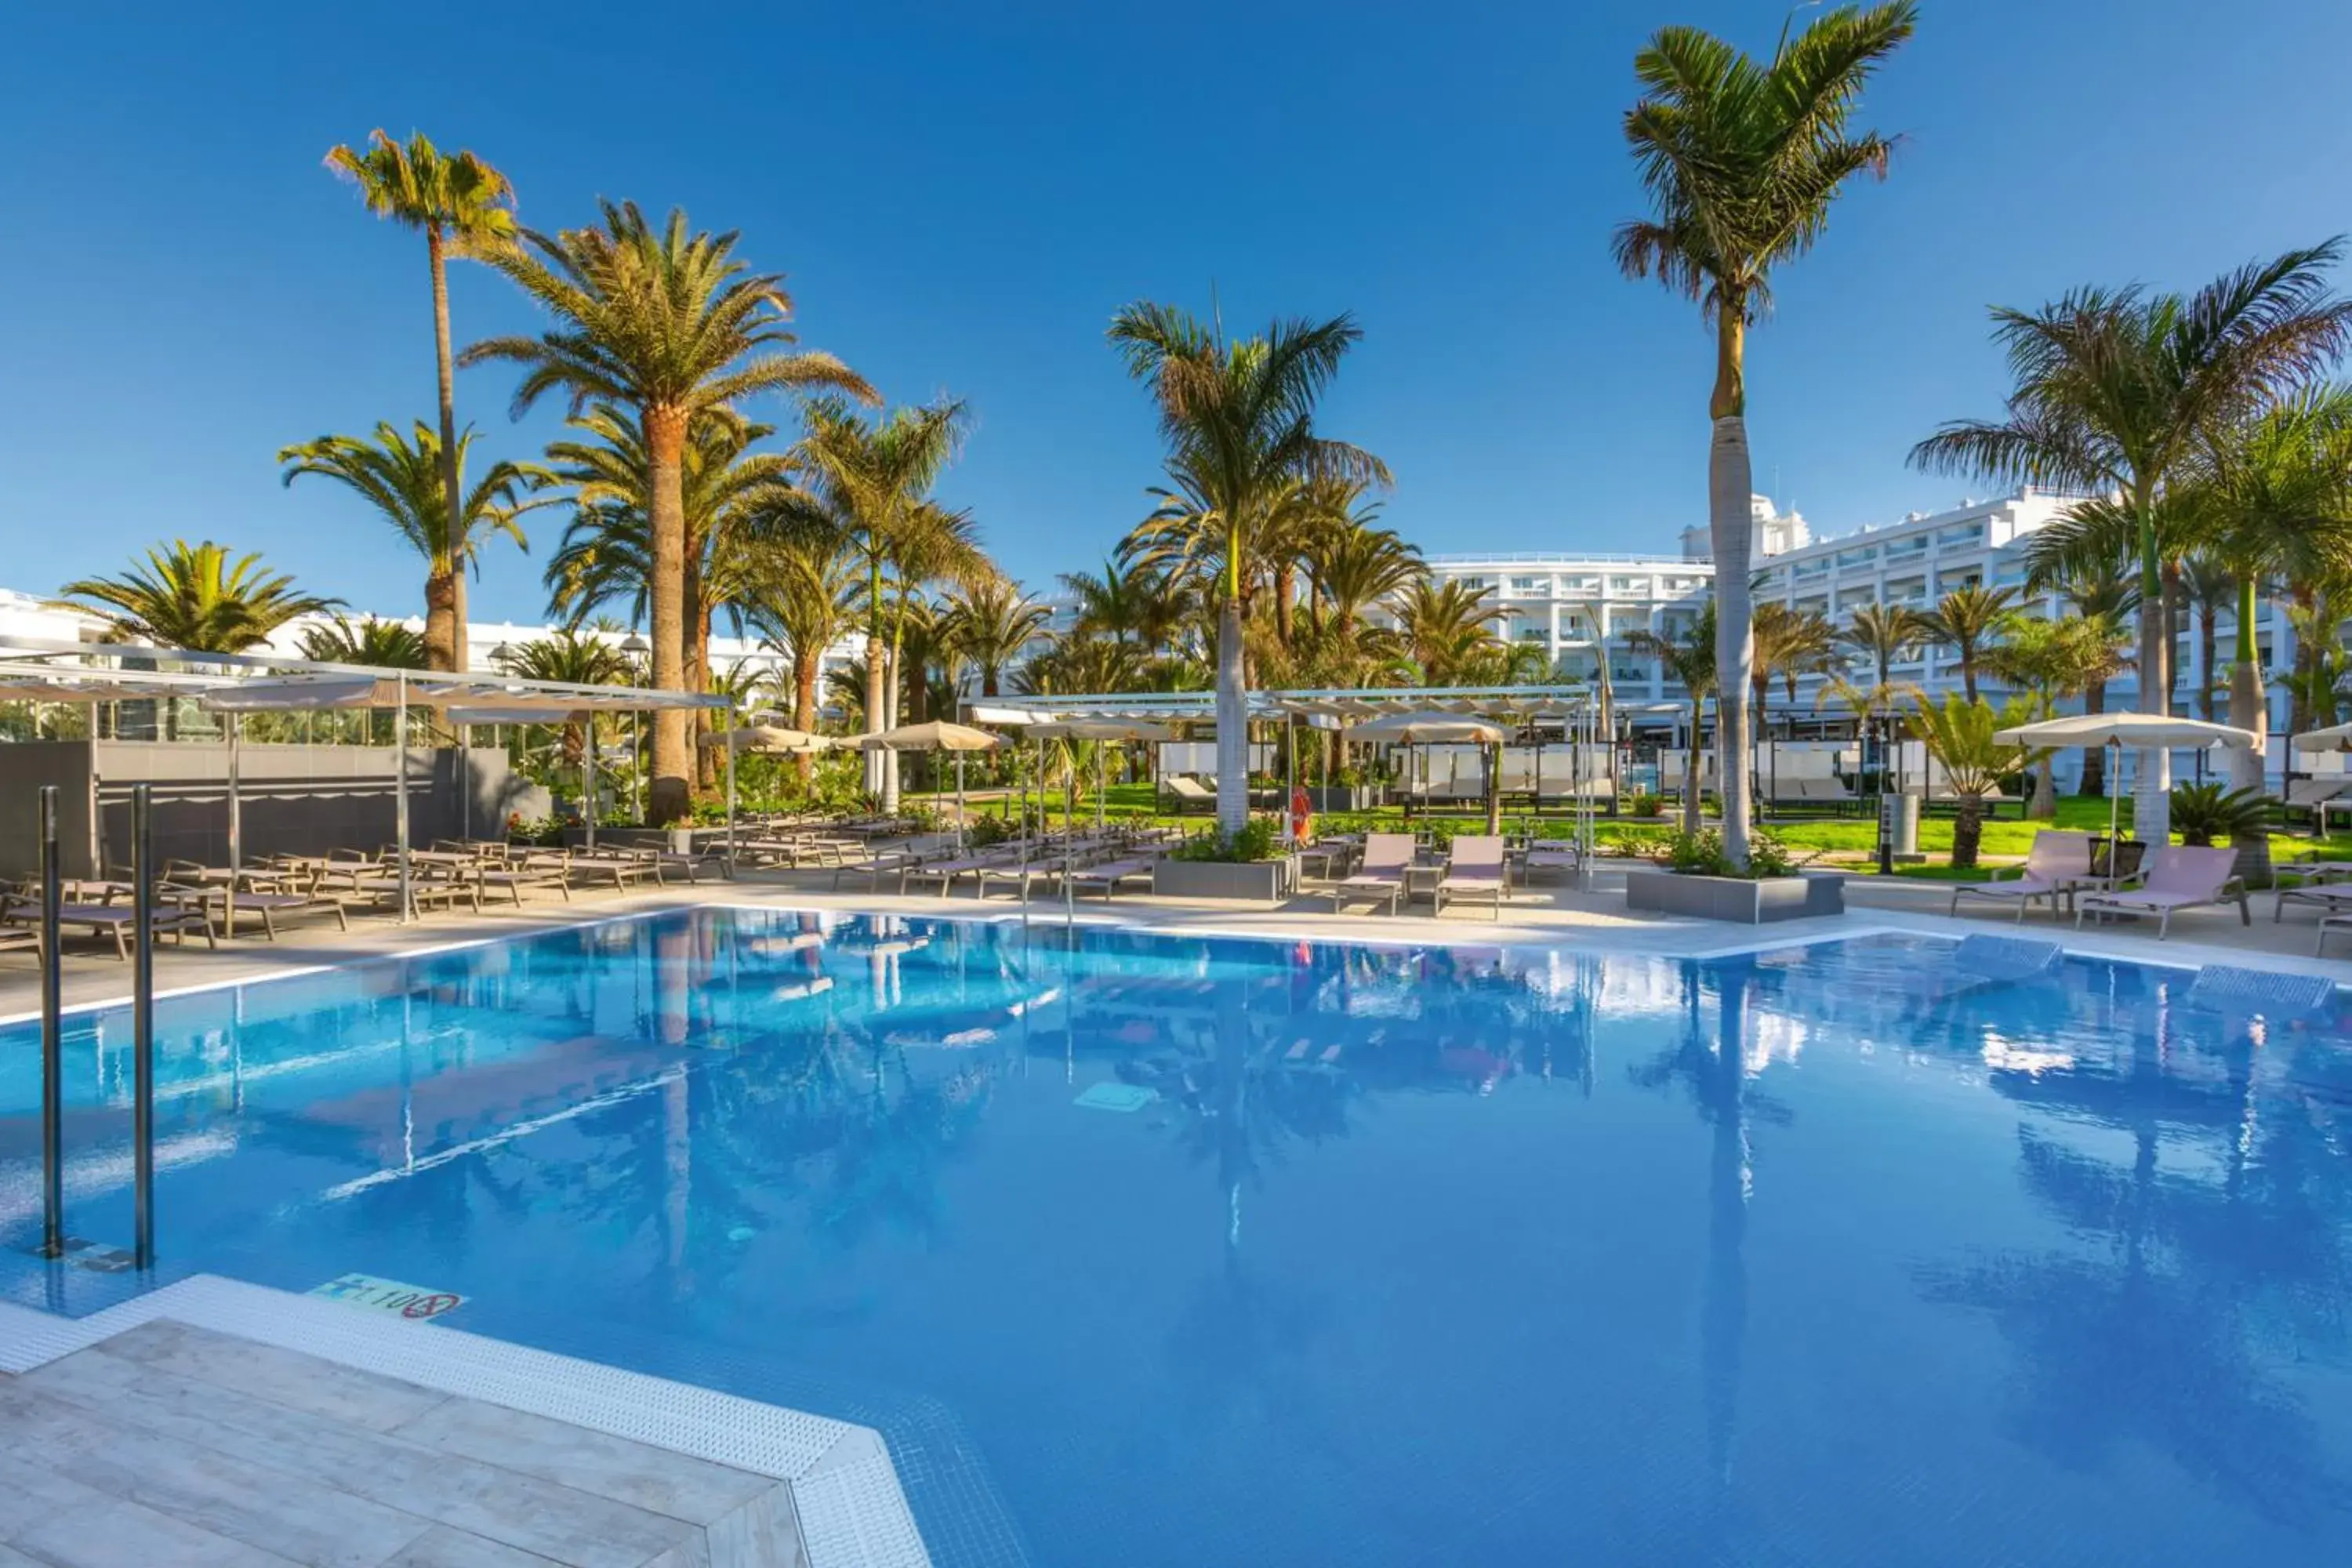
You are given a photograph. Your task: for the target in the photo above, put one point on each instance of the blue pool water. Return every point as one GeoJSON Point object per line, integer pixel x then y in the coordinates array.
{"type": "Point", "coordinates": [1146, 1250]}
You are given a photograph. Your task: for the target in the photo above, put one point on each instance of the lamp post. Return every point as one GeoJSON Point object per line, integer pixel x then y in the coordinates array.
{"type": "Point", "coordinates": [636, 647]}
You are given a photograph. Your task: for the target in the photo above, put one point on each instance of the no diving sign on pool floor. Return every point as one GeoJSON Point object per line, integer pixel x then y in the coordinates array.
{"type": "Point", "coordinates": [414, 1302]}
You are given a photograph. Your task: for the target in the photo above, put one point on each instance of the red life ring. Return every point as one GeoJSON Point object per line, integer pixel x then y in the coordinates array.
{"type": "Point", "coordinates": [1300, 813]}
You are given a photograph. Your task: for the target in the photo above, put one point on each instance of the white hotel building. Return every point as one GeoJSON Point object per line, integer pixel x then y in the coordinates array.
{"type": "Point", "coordinates": [1579, 606]}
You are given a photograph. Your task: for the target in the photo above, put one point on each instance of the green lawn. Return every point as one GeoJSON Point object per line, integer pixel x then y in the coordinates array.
{"type": "Point", "coordinates": [1845, 841]}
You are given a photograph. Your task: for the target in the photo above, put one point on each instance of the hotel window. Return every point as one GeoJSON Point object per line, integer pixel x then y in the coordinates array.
{"type": "Point", "coordinates": [1964, 534]}
{"type": "Point", "coordinates": [1638, 586]}
{"type": "Point", "coordinates": [1530, 585]}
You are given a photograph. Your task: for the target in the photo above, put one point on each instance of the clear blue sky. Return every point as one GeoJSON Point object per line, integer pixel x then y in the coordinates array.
{"type": "Point", "coordinates": [962, 194]}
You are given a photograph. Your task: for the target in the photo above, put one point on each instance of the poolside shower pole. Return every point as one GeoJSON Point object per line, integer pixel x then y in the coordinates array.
{"type": "Point", "coordinates": [588, 780]}
{"type": "Point", "coordinates": [730, 791]}
{"type": "Point", "coordinates": [143, 1030]}
{"type": "Point", "coordinates": [236, 835]}
{"type": "Point", "coordinates": [399, 795]}
{"type": "Point", "coordinates": [52, 1154]}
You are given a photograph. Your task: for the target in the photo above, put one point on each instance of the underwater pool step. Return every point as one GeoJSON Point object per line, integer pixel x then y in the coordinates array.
{"type": "Point", "coordinates": [2008, 957]}
{"type": "Point", "coordinates": [2226, 988]}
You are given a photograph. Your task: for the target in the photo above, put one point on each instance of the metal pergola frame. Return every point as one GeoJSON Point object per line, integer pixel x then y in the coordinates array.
{"type": "Point", "coordinates": [235, 683]}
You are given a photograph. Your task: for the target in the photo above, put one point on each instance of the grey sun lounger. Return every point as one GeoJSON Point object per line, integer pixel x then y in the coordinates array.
{"type": "Point", "coordinates": [1474, 870]}
{"type": "Point", "coordinates": [1380, 874]}
{"type": "Point", "coordinates": [2056, 866]}
{"type": "Point", "coordinates": [117, 920]}
{"type": "Point", "coordinates": [1106, 876]}
{"type": "Point", "coordinates": [2179, 877]}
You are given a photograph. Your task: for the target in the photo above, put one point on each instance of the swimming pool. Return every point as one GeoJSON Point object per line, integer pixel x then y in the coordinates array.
{"type": "Point", "coordinates": [1145, 1249]}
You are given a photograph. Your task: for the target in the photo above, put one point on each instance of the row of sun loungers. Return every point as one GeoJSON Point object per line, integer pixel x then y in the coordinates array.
{"type": "Point", "coordinates": [2073, 872]}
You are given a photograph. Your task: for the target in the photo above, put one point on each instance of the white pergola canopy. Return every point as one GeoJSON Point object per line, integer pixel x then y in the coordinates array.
{"type": "Point", "coordinates": [1506, 705]}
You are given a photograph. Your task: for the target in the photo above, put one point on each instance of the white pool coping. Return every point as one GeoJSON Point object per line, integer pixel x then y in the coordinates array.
{"type": "Point", "coordinates": [852, 1511]}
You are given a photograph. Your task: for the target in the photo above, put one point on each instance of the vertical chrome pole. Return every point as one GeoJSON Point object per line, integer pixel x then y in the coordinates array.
{"type": "Point", "coordinates": [730, 791]}
{"type": "Point", "coordinates": [143, 1030]}
{"type": "Point", "coordinates": [399, 795]}
{"type": "Point", "coordinates": [53, 1170]}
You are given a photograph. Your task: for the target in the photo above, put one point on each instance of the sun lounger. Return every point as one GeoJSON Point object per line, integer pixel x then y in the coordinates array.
{"type": "Point", "coordinates": [117, 920]}
{"type": "Point", "coordinates": [2178, 876]}
{"type": "Point", "coordinates": [1474, 870]}
{"type": "Point", "coordinates": [1381, 873]}
{"type": "Point", "coordinates": [1106, 877]}
{"type": "Point", "coordinates": [2056, 866]}
{"type": "Point", "coordinates": [1189, 792]}
{"type": "Point", "coordinates": [268, 906]}
{"type": "Point", "coordinates": [1555, 855]}
{"type": "Point", "coordinates": [948, 873]}
{"type": "Point", "coordinates": [621, 867]}
{"type": "Point", "coordinates": [1021, 874]}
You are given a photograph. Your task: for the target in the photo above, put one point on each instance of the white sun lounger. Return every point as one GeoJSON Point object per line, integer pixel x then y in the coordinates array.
{"type": "Point", "coordinates": [1474, 870]}
{"type": "Point", "coordinates": [1381, 873]}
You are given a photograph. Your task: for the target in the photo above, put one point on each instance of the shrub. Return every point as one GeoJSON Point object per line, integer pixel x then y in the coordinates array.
{"type": "Point", "coordinates": [1701, 854]}
{"type": "Point", "coordinates": [1255, 841]}
{"type": "Point", "coordinates": [1646, 804]}
{"type": "Point", "coordinates": [2204, 811]}
{"type": "Point", "coordinates": [543, 832]}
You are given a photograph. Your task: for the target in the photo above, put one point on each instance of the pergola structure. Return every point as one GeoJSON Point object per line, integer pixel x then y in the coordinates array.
{"type": "Point", "coordinates": [38, 669]}
{"type": "Point", "coordinates": [1575, 708]}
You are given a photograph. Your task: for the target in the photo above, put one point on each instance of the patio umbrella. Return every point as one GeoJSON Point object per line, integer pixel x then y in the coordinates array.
{"type": "Point", "coordinates": [771, 738]}
{"type": "Point", "coordinates": [2141, 731]}
{"type": "Point", "coordinates": [2336, 738]}
{"type": "Point", "coordinates": [934, 735]}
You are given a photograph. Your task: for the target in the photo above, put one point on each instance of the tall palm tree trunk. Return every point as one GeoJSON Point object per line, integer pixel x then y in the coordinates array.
{"type": "Point", "coordinates": [1732, 527]}
{"type": "Point", "coordinates": [878, 664]}
{"type": "Point", "coordinates": [670, 792]}
{"type": "Point", "coordinates": [1233, 722]}
{"type": "Point", "coordinates": [804, 674]}
{"type": "Point", "coordinates": [2247, 709]}
{"type": "Point", "coordinates": [2152, 789]}
{"type": "Point", "coordinates": [447, 649]}
{"type": "Point", "coordinates": [440, 614]}
{"type": "Point", "coordinates": [2095, 758]}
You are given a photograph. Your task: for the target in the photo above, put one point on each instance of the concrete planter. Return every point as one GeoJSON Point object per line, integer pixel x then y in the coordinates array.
{"type": "Point", "coordinates": [1739, 898]}
{"type": "Point", "coordinates": [1343, 797]}
{"type": "Point", "coordinates": [1264, 880]}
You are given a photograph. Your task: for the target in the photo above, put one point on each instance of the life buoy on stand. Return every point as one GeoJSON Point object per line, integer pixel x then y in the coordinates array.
{"type": "Point", "coordinates": [1299, 813]}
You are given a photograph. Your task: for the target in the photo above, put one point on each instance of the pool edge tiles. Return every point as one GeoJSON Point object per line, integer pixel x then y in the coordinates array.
{"type": "Point", "coordinates": [852, 1511]}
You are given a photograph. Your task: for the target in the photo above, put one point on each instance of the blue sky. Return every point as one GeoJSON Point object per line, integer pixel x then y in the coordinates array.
{"type": "Point", "coordinates": [962, 195]}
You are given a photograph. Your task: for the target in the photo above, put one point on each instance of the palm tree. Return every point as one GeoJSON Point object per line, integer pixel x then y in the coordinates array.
{"type": "Point", "coordinates": [466, 207]}
{"type": "Point", "coordinates": [1742, 161]}
{"type": "Point", "coordinates": [404, 477]}
{"type": "Point", "coordinates": [661, 324]}
{"type": "Point", "coordinates": [807, 601]}
{"type": "Point", "coordinates": [574, 657]}
{"type": "Point", "coordinates": [194, 596]}
{"type": "Point", "coordinates": [1354, 570]}
{"type": "Point", "coordinates": [725, 488]}
{"type": "Point", "coordinates": [990, 624]}
{"type": "Point", "coordinates": [1959, 734]}
{"type": "Point", "coordinates": [1238, 418]}
{"type": "Point", "coordinates": [1789, 642]}
{"type": "Point", "coordinates": [2274, 496]}
{"type": "Point", "coordinates": [1117, 603]}
{"type": "Point", "coordinates": [385, 644]}
{"type": "Point", "coordinates": [1883, 633]}
{"type": "Point", "coordinates": [2116, 390]}
{"type": "Point", "coordinates": [1445, 627]}
{"type": "Point", "coordinates": [1967, 620]}
{"type": "Point", "coordinates": [2072, 656]}
{"type": "Point", "coordinates": [1688, 661]}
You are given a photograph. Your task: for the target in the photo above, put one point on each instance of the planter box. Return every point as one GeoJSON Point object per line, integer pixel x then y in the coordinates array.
{"type": "Point", "coordinates": [1343, 797]}
{"type": "Point", "coordinates": [1736, 898]}
{"type": "Point", "coordinates": [1264, 881]}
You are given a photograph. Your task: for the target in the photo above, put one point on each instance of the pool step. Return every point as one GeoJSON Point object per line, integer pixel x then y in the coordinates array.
{"type": "Point", "coordinates": [2008, 957]}
{"type": "Point", "coordinates": [2227, 988]}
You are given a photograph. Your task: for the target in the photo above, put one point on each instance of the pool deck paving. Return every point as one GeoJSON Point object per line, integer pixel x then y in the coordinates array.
{"type": "Point", "coordinates": [1591, 920]}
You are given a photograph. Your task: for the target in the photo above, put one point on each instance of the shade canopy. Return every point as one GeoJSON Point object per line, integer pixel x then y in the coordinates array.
{"type": "Point", "coordinates": [1105, 730]}
{"type": "Point", "coordinates": [936, 735]}
{"type": "Point", "coordinates": [2157, 731]}
{"type": "Point", "coordinates": [1426, 728]}
{"type": "Point", "coordinates": [2335, 738]}
{"type": "Point", "coordinates": [771, 738]}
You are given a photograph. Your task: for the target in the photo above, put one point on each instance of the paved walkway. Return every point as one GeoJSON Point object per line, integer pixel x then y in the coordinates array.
{"type": "Point", "coordinates": [1595, 919]}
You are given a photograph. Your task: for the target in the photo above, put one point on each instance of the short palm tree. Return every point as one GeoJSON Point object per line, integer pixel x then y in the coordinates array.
{"type": "Point", "coordinates": [1790, 643]}
{"type": "Point", "coordinates": [466, 207]}
{"type": "Point", "coordinates": [2116, 390]}
{"type": "Point", "coordinates": [573, 657]}
{"type": "Point", "coordinates": [662, 323]}
{"type": "Point", "coordinates": [1968, 620]}
{"type": "Point", "coordinates": [1958, 733]}
{"type": "Point", "coordinates": [1445, 627]}
{"type": "Point", "coordinates": [404, 477]}
{"type": "Point", "coordinates": [991, 626]}
{"type": "Point", "coordinates": [806, 600]}
{"type": "Point", "coordinates": [865, 487]}
{"type": "Point", "coordinates": [1688, 661]}
{"type": "Point", "coordinates": [385, 645]}
{"type": "Point", "coordinates": [1883, 633]}
{"type": "Point", "coordinates": [1238, 418]}
{"type": "Point", "coordinates": [194, 597]}
{"type": "Point", "coordinates": [1117, 602]}
{"type": "Point", "coordinates": [2054, 660]}
{"type": "Point", "coordinates": [1742, 161]}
